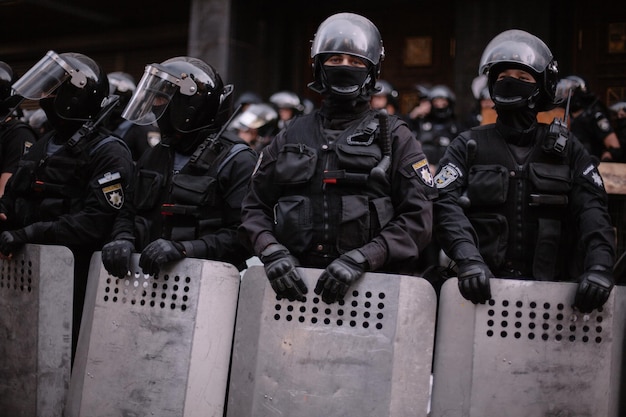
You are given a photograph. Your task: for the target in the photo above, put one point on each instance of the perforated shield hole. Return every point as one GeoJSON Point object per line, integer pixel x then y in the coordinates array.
{"type": "Point", "coordinates": [16, 275]}
{"type": "Point", "coordinates": [360, 310]}
{"type": "Point", "coordinates": [149, 290]}
{"type": "Point", "coordinates": [543, 321]}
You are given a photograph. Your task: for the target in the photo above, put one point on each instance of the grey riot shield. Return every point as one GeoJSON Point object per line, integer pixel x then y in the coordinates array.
{"type": "Point", "coordinates": [528, 353]}
{"type": "Point", "coordinates": [36, 289]}
{"type": "Point", "coordinates": [155, 345]}
{"type": "Point", "coordinates": [369, 356]}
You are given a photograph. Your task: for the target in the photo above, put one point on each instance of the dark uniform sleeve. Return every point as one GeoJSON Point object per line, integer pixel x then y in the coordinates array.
{"type": "Point", "coordinates": [409, 231]}
{"type": "Point", "coordinates": [453, 229]}
{"type": "Point", "coordinates": [589, 206]}
{"type": "Point", "coordinates": [233, 180]}
{"type": "Point", "coordinates": [14, 145]}
{"type": "Point", "coordinates": [110, 175]}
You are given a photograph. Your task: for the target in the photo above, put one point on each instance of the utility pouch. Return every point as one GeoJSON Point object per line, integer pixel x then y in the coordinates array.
{"type": "Point", "coordinates": [293, 222]}
{"type": "Point", "coordinates": [194, 190]}
{"type": "Point", "coordinates": [358, 158]}
{"type": "Point", "coordinates": [487, 185]}
{"type": "Point", "coordinates": [550, 178]}
{"type": "Point", "coordinates": [295, 164]}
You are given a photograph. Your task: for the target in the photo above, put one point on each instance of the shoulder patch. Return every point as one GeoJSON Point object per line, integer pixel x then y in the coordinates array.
{"type": "Point", "coordinates": [112, 189]}
{"type": "Point", "coordinates": [422, 169]}
{"type": "Point", "coordinates": [592, 174]}
{"type": "Point", "coordinates": [447, 175]}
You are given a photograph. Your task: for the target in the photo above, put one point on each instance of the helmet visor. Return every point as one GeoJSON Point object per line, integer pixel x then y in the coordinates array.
{"type": "Point", "coordinates": [516, 46]}
{"type": "Point", "coordinates": [153, 94]}
{"type": "Point", "coordinates": [46, 75]}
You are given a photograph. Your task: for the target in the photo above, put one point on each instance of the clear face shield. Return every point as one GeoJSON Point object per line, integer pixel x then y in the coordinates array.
{"type": "Point", "coordinates": [154, 93]}
{"type": "Point", "coordinates": [46, 75]}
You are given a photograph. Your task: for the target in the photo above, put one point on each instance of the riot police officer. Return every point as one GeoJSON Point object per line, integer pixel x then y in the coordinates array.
{"type": "Point", "coordinates": [345, 188]}
{"type": "Point", "coordinates": [71, 185]}
{"type": "Point", "coordinates": [437, 129]}
{"type": "Point", "coordinates": [188, 188]}
{"type": "Point", "coordinates": [139, 138]}
{"type": "Point", "coordinates": [590, 119]}
{"type": "Point", "coordinates": [16, 136]}
{"type": "Point", "coordinates": [520, 198]}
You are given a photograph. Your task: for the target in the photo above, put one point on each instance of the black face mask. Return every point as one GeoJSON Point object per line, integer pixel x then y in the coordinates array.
{"type": "Point", "coordinates": [514, 102]}
{"type": "Point", "coordinates": [512, 93]}
{"type": "Point", "coordinates": [344, 81]}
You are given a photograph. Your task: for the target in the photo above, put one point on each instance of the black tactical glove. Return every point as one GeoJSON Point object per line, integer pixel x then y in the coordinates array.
{"type": "Point", "coordinates": [594, 288]}
{"type": "Point", "coordinates": [159, 252]}
{"type": "Point", "coordinates": [116, 257]}
{"type": "Point", "coordinates": [474, 280]}
{"type": "Point", "coordinates": [344, 271]}
{"type": "Point", "coordinates": [280, 268]}
{"type": "Point", "coordinates": [12, 241]}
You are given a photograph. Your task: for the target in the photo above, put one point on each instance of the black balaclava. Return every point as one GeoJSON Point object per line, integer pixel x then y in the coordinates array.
{"type": "Point", "coordinates": [515, 101]}
{"type": "Point", "coordinates": [347, 95]}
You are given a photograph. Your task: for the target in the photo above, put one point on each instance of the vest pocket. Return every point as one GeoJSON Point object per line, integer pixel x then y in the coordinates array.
{"type": "Point", "coordinates": [293, 222]}
{"type": "Point", "coordinates": [295, 164]}
{"type": "Point", "coordinates": [194, 190]}
{"type": "Point", "coordinates": [550, 178]}
{"type": "Point", "coordinates": [487, 185]}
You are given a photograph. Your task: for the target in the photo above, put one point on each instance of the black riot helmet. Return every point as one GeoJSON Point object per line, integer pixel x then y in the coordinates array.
{"type": "Point", "coordinates": [352, 34]}
{"type": "Point", "coordinates": [287, 100]}
{"type": "Point", "coordinates": [9, 102]}
{"type": "Point", "coordinates": [123, 85]}
{"type": "Point", "coordinates": [577, 89]}
{"type": "Point", "coordinates": [7, 78]}
{"type": "Point", "coordinates": [70, 86]}
{"type": "Point", "coordinates": [184, 94]}
{"type": "Point", "coordinates": [519, 49]}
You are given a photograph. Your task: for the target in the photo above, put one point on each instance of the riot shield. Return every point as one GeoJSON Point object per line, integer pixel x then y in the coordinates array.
{"type": "Point", "coordinates": [528, 353]}
{"type": "Point", "coordinates": [369, 355]}
{"type": "Point", "coordinates": [155, 345]}
{"type": "Point", "coordinates": [36, 288]}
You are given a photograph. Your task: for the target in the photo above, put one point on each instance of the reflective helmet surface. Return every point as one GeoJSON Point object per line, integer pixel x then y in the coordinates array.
{"type": "Point", "coordinates": [187, 90]}
{"type": "Point", "coordinates": [286, 100]}
{"type": "Point", "coordinates": [6, 80]}
{"type": "Point", "coordinates": [247, 97]}
{"type": "Point", "coordinates": [384, 88]}
{"type": "Point", "coordinates": [122, 85]}
{"type": "Point", "coordinates": [348, 33]}
{"type": "Point", "coordinates": [76, 82]}
{"type": "Point", "coordinates": [255, 116]}
{"type": "Point", "coordinates": [442, 91]}
{"type": "Point", "coordinates": [516, 48]}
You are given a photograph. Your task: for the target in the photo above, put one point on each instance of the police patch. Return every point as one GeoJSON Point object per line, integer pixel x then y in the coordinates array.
{"type": "Point", "coordinates": [422, 170]}
{"type": "Point", "coordinates": [112, 189]}
{"type": "Point", "coordinates": [592, 174]}
{"type": "Point", "coordinates": [447, 175]}
{"type": "Point", "coordinates": [114, 195]}
{"type": "Point", "coordinates": [602, 122]}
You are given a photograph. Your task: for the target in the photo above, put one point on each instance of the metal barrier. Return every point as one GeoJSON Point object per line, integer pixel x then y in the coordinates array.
{"type": "Point", "coordinates": [528, 353]}
{"type": "Point", "coordinates": [36, 289]}
{"type": "Point", "coordinates": [370, 355]}
{"type": "Point", "coordinates": [155, 345]}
